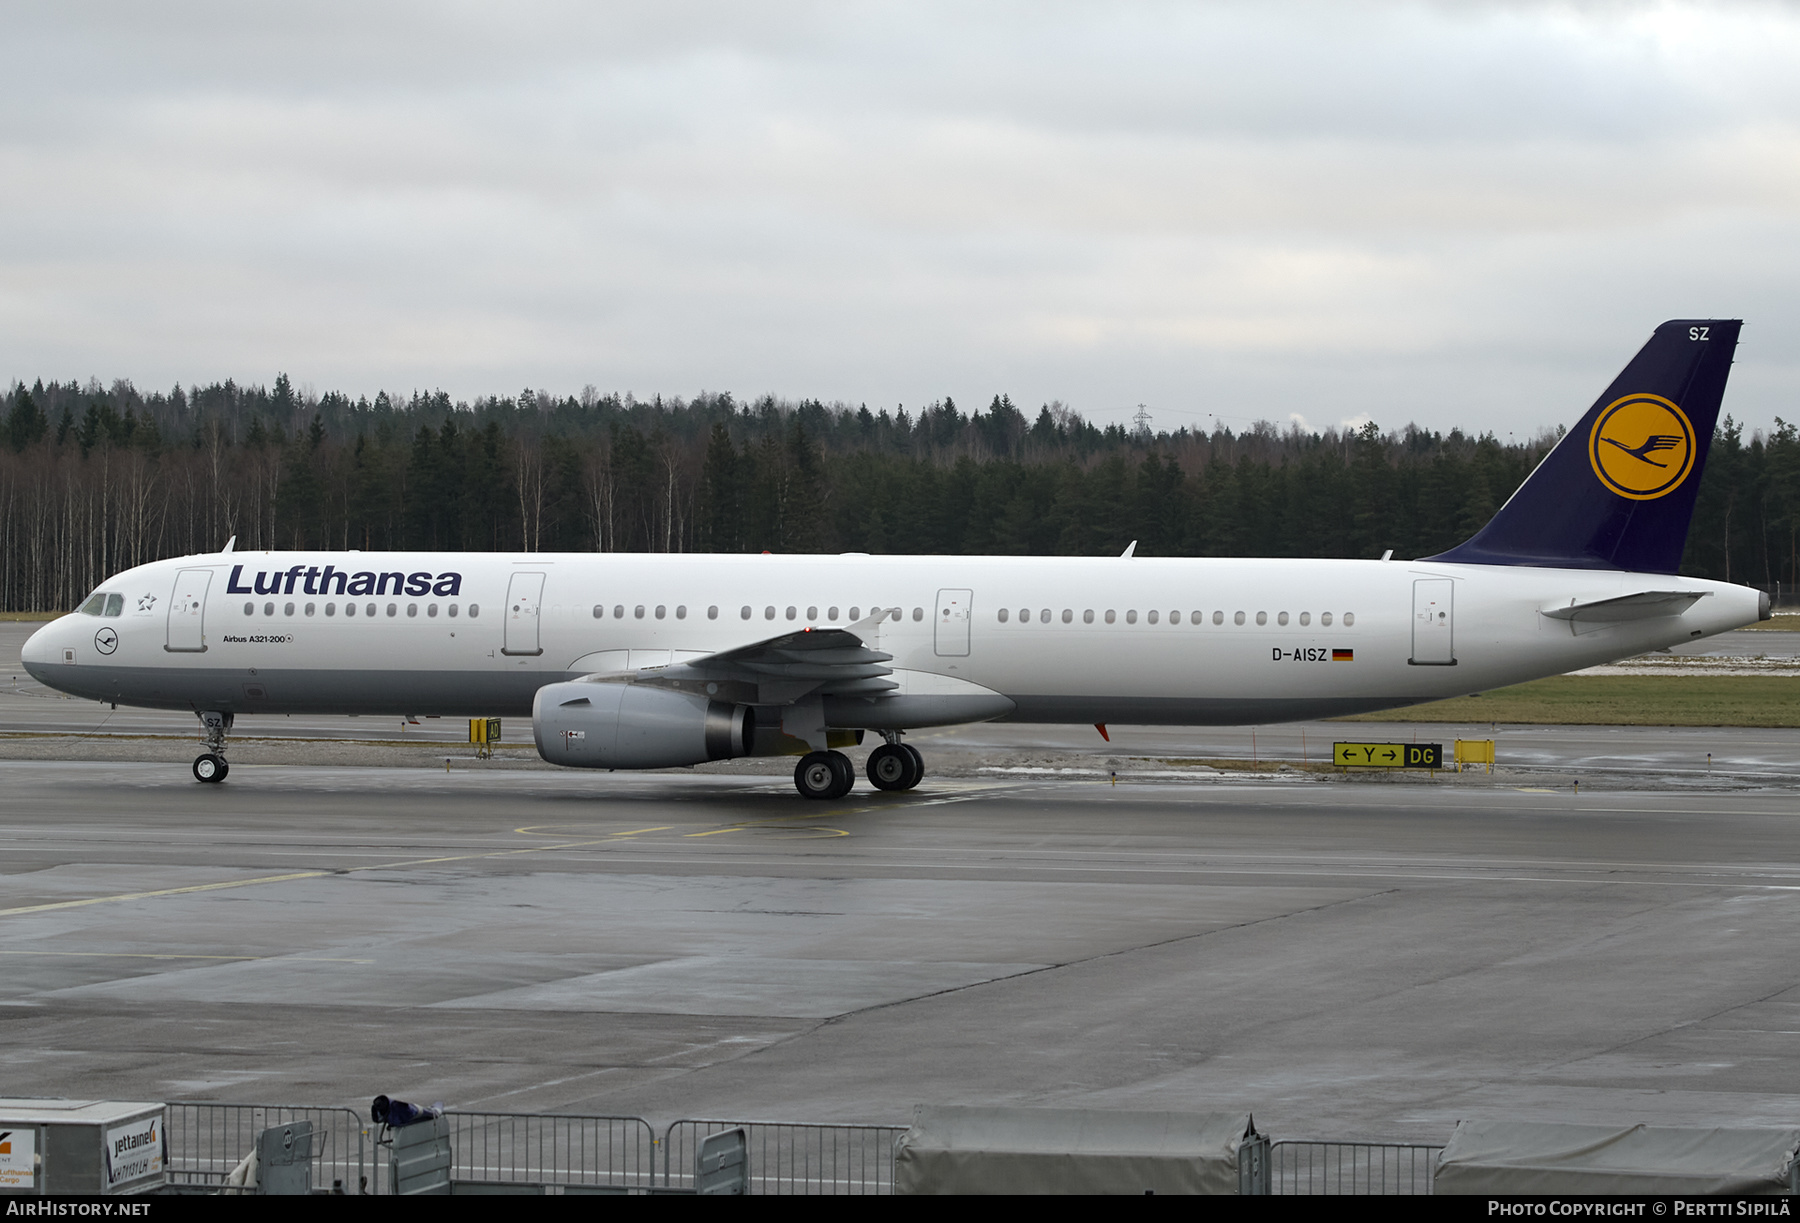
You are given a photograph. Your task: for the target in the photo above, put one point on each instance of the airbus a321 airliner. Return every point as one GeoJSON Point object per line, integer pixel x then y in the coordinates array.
{"type": "Point", "coordinates": [640, 662]}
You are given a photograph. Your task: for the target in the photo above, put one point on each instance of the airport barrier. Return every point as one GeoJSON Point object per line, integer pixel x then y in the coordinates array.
{"type": "Point", "coordinates": [1385, 1168]}
{"type": "Point", "coordinates": [537, 1152]}
{"type": "Point", "coordinates": [560, 1149]}
{"type": "Point", "coordinates": [790, 1158]}
{"type": "Point", "coordinates": [206, 1140]}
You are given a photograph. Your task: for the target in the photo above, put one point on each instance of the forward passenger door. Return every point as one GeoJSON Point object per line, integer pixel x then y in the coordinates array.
{"type": "Point", "coordinates": [187, 612]}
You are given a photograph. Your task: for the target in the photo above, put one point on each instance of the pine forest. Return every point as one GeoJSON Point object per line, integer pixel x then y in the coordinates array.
{"type": "Point", "coordinates": [94, 480]}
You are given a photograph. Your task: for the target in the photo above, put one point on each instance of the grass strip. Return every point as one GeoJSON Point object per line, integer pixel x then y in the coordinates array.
{"type": "Point", "coordinates": [1619, 700]}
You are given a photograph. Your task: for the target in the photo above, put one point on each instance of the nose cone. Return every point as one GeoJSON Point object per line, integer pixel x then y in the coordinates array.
{"type": "Point", "coordinates": [40, 650]}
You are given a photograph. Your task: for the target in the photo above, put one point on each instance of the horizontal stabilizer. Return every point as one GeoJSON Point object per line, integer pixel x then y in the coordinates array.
{"type": "Point", "coordinates": [1646, 605]}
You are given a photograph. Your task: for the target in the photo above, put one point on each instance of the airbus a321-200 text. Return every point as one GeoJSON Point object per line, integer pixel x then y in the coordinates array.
{"type": "Point", "coordinates": [643, 662]}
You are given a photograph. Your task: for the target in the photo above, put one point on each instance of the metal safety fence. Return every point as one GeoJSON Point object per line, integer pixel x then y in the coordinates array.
{"type": "Point", "coordinates": [790, 1158]}
{"type": "Point", "coordinates": [1306, 1167]}
{"type": "Point", "coordinates": [564, 1149]}
{"type": "Point", "coordinates": [206, 1141]}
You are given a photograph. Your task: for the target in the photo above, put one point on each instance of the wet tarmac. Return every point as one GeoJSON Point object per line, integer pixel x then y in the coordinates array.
{"type": "Point", "coordinates": [1342, 958]}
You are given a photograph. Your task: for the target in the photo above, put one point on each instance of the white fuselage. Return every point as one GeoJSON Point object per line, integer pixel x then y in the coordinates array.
{"type": "Point", "coordinates": [1126, 639]}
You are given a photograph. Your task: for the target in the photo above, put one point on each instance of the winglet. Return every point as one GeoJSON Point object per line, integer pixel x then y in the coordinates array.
{"type": "Point", "coordinates": [229, 545]}
{"type": "Point", "coordinates": [1129, 549]}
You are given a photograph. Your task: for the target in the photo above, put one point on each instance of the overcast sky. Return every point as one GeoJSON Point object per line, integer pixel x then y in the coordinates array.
{"type": "Point", "coordinates": [1455, 214]}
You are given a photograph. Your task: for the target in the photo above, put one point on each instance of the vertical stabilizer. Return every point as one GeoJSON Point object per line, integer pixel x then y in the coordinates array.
{"type": "Point", "coordinates": [1618, 491]}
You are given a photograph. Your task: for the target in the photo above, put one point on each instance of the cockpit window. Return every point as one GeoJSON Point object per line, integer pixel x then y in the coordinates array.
{"type": "Point", "coordinates": [95, 606]}
{"type": "Point", "coordinates": [115, 605]}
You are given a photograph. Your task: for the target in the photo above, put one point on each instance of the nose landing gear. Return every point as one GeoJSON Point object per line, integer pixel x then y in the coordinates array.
{"type": "Point", "coordinates": [210, 765]}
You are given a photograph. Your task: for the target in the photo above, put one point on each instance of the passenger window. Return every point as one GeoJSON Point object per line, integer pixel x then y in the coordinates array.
{"type": "Point", "coordinates": [599, 611]}
{"type": "Point", "coordinates": [1238, 618]}
{"type": "Point", "coordinates": [919, 614]}
{"type": "Point", "coordinates": [681, 611]}
{"type": "Point", "coordinates": [268, 609]}
{"type": "Point", "coordinates": [453, 611]}
{"type": "Point", "coordinates": [412, 611]}
{"type": "Point", "coordinates": [855, 614]}
{"type": "Point", "coordinates": [1131, 616]}
{"type": "Point", "coordinates": [1003, 615]}
{"type": "Point", "coordinates": [430, 610]}
{"type": "Point", "coordinates": [1068, 616]}
{"type": "Point", "coordinates": [1087, 617]}
{"type": "Point", "coordinates": [638, 611]}
{"type": "Point", "coordinates": [1305, 619]}
{"type": "Point", "coordinates": [1218, 617]}
{"type": "Point", "coordinates": [1044, 616]}
{"type": "Point", "coordinates": [1152, 616]}
{"type": "Point", "coordinates": [1350, 618]}
{"type": "Point", "coordinates": [662, 611]}
{"type": "Point", "coordinates": [768, 613]}
{"type": "Point", "coordinates": [745, 614]}
{"type": "Point", "coordinates": [1024, 615]}
{"type": "Point", "coordinates": [618, 611]}
{"type": "Point", "coordinates": [349, 609]}
{"type": "Point", "coordinates": [1325, 619]}
{"type": "Point", "coordinates": [1262, 618]}
{"type": "Point", "coordinates": [812, 613]}
{"type": "Point", "coordinates": [393, 610]}
{"type": "Point", "coordinates": [474, 610]}
{"type": "Point", "coordinates": [1195, 618]}
{"type": "Point", "coordinates": [309, 609]}
{"type": "Point", "coordinates": [831, 614]}
{"type": "Point", "coordinates": [331, 609]}
{"type": "Point", "coordinates": [249, 609]}
{"type": "Point", "coordinates": [1281, 619]}
{"type": "Point", "coordinates": [792, 612]}
{"type": "Point", "coordinates": [712, 613]}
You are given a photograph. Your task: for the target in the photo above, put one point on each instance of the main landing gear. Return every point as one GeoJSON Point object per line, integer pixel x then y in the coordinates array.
{"type": "Point", "coordinates": [895, 766]}
{"type": "Point", "coordinates": [828, 775]}
{"type": "Point", "coordinates": [210, 765]}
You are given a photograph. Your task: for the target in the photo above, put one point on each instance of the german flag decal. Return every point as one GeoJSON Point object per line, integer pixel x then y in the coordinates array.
{"type": "Point", "coordinates": [1343, 656]}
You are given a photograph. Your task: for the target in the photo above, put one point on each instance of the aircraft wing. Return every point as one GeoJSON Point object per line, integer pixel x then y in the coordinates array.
{"type": "Point", "coordinates": [829, 661]}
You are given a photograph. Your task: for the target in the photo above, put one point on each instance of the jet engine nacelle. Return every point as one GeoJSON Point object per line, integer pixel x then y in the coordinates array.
{"type": "Point", "coordinates": [633, 726]}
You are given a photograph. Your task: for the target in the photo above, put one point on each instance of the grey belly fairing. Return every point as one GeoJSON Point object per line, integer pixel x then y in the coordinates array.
{"type": "Point", "coordinates": [474, 694]}
{"type": "Point", "coordinates": [500, 693]}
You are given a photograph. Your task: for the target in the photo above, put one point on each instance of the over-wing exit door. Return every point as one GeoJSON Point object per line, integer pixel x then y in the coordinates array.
{"type": "Point", "coordinates": [953, 623]}
{"type": "Point", "coordinates": [523, 597]}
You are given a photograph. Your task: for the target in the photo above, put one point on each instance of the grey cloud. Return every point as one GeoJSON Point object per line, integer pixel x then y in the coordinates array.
{"type": "Point", "coordinates": [1461, 213]}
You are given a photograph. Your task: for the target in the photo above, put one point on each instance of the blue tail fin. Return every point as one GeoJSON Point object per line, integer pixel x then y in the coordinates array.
{"type": "Point", "coordinates": [1618, 491]}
